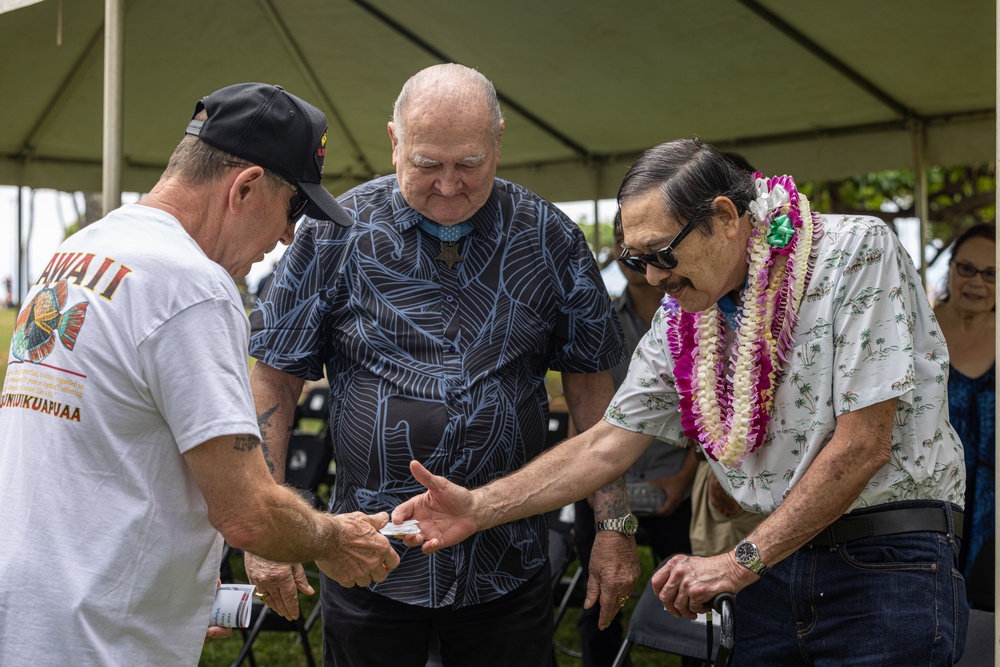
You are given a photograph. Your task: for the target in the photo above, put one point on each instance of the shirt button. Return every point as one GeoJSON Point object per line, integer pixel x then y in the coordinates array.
{"type": "Point", "coordinates": [449, 298]}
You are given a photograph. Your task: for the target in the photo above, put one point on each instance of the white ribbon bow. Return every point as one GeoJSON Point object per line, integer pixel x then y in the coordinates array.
{"type": "Point", "coordinates": [767, 201]}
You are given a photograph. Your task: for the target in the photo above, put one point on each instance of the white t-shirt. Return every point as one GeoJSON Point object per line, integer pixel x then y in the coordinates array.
{"type": "Point", "coordinates": [865, 334]}
{"type": "Point", "coordinates": [130, 350]}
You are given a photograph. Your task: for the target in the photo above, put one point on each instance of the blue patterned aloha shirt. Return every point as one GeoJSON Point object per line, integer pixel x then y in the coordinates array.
{"type": "Point", "coordinates": [865, 334]}
{"type": "Point", "coordinates": [445, 366]}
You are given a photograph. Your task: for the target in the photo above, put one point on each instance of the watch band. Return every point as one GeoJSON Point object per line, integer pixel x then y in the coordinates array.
{"type": "Point", "coordinates": [626, 525]}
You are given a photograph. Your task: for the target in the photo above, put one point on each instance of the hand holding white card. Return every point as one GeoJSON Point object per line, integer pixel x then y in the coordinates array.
{"type": "Point", "coordinates": [408, 527]}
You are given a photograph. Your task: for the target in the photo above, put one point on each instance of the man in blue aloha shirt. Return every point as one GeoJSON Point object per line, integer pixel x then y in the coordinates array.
{"type": "Point", "coordinates": [436, 317]}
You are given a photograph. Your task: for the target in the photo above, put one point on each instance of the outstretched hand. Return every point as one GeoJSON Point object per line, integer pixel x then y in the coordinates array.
{"type": "Point", "coordinates": [446, 512]}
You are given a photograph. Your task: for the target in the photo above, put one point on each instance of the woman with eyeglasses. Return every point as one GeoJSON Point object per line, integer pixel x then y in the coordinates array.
{"type": "Point", "coordinates": [966, 313]}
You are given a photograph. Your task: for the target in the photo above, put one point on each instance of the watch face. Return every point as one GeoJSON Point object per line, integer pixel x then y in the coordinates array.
{"type": "Point", "coordinates": [746, 551]}
{"type": "Point", "coordinates": [631, 524]}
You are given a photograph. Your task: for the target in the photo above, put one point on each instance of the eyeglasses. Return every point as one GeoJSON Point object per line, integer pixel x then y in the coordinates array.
{"type": "Point", "coordinates": [662, 259]}
{"type": "Point", "coordinates": [967, 270]}
{"type": "Point", "coordinates": [297, 203]}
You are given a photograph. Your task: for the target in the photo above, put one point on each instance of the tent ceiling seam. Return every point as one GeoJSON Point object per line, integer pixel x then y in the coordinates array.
{"type": "Point", "coordinates": [603, 159]}
{"type": "Point", "coordinates": [830, 59]}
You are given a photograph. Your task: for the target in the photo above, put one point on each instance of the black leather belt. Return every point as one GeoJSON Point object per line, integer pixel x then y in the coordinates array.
{"type": "Point", "coordinates": [887, 522]}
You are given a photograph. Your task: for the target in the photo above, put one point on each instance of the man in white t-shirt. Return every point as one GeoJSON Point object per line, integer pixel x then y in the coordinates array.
{"type": "Point", "coordinates": [129, 444]}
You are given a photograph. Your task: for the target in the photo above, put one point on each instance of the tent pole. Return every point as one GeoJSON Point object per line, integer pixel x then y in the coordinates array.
{"type": "Point", "coordinates": [996, 521]}
{"type": "Point", "coordinates": [114, 42]}
{"type": "Point", "coordinates": [918, 135]}
{"type": "Point", "coordinates": [20, 244]}
{"type": "Point", "coordinates": [597, 223]}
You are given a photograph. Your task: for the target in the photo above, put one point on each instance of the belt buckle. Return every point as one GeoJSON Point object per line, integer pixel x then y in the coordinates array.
{"type": "Point", "coordinates": [826, 538]}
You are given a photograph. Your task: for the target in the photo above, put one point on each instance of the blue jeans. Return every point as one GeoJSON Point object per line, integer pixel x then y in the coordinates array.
{"type": "Point", "coordinates": [876, 601]}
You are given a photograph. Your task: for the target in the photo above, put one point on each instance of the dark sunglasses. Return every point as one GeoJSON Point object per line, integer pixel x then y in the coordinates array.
{"type": "Point", "coordinates": [297, 203]}
{"type": "Point", "coordinates": [967, 270]}
{"type": "Point", "coordinates": [662, 259]}
{"type": "Point", "coordinates": [296, 206]}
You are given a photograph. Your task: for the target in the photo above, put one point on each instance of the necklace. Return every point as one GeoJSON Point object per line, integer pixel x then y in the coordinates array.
{"type": "Point", "coordinates": [728, 412]}
{"type": "Point", "coordinates": [449, 235]}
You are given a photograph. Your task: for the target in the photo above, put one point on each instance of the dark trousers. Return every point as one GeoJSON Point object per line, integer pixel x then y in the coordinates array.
{"type": "Point", "coordinates": [666, 535]}
{"type": "Point", "coordinates": [365, 629]}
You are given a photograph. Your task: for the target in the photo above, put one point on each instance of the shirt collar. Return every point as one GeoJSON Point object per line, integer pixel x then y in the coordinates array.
{"type": "Point", "coordinates": [486, 221]}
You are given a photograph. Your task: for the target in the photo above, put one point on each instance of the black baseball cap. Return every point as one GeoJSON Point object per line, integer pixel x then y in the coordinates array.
{"type": "Point", "coordinates": [273, 129]}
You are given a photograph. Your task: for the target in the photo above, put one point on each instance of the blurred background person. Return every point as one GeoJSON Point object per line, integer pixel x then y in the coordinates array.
{"type": "Point", "coordinates": [966, 313]}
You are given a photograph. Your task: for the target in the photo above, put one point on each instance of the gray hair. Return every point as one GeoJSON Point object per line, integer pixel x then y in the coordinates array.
{"type": "Point", "coordinates": [451, 83]}
{"type": "Point", "coordinates": [689, 174]}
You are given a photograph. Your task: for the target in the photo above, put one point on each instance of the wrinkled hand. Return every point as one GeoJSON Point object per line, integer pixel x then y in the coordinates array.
{"type": "Point", "coordinates": [614, 569]}
{"type": "Point", "coordinates": [686, 585]}
{"type": "Point", "coordinates": [278, 584]}
{"type": "Point", "coordinates": [721, 501]}
{"type": "Point", "coordinates": [446, 512]}
{"type": "Point", "coordinates": [361, 555]}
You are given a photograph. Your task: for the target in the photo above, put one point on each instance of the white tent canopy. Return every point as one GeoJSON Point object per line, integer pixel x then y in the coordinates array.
{"type": "Point", "coordinates": [817, 90]}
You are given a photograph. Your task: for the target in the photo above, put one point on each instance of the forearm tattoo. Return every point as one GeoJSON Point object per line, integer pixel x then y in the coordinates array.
{"type": "Point", "coordinates": [264, 423]}
{"type": "Point", "coordinates": [246, 443]}
{"type": "Point", "coordinates": [611, 501]}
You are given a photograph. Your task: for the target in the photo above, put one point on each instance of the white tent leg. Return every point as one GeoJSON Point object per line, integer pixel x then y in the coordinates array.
{"type": "Point", "coordinates": [114, 58]}
{"type": "Point", "coordinates": [996, 521]}
{"type": "Point", "coordinates": [918, 135]}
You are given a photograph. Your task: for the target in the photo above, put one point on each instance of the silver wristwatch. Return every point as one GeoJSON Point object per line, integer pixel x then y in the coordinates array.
{"type": "Point", "coordinates": [626, 525]}
{"type": "Point", "coordinates": [747, 556]}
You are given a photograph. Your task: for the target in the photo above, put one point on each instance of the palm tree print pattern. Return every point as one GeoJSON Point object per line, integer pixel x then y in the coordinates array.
{"type": "Point", "coordinates": [865, 334]}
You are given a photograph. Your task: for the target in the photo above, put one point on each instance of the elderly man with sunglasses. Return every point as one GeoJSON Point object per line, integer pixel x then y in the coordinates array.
{"type": "Point", "coordinates": [801, 353]}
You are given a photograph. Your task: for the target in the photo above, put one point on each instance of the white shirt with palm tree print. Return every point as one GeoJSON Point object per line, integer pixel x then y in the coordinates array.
{"type": "Point", "coordinates": [866, 333]}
